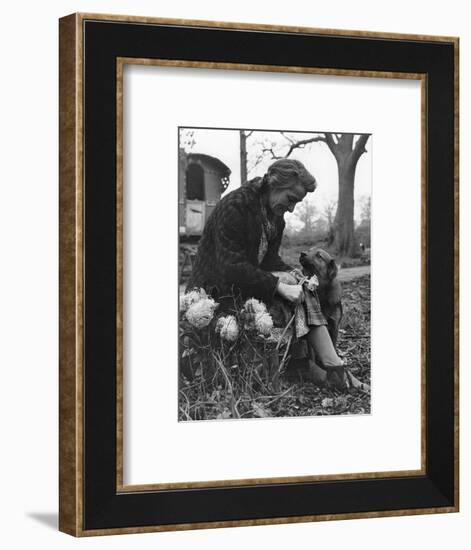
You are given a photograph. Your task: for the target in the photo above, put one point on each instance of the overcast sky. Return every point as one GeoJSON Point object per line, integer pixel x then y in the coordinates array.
{"type": "Point", "coordinates": [225, 145]}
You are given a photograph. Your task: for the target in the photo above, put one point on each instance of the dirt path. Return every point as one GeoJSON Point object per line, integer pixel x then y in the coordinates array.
{"type": "Point", "coordinates": [350, 273]}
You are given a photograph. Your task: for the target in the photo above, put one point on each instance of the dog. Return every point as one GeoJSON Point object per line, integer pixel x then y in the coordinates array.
{"type": "Point", "coordinates": [317, 261]}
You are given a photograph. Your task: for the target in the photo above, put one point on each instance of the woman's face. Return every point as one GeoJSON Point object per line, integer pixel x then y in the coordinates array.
{"type": "Point", "coordinates": [284, 200]}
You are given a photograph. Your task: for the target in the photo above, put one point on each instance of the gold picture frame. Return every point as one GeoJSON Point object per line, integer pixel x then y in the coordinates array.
{"type": "Point", "coordinates": [78, 515]}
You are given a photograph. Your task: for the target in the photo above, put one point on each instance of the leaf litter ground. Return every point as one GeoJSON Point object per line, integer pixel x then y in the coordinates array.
{"type": "Point", "coordinates": [300, 398]}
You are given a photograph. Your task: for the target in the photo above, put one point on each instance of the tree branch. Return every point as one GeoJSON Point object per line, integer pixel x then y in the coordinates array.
{"type": "Point", "coordinates": [287, 137]}
{"type": "Point", "coordinates": [329, 139]}
{"type": "Point", "coordinates": [272, 153]}
{"type": "Point", "coordinates": [347, 141]}
{"type": "Point", "coordinates": [359, 148]}
{"type": "Point", "coordinates": [254, 165]}
{"type": "Point", "coordinates": [301, 144]}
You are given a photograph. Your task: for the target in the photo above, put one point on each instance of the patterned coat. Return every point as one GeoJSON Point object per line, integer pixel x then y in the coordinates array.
{"type": "Point", "coordinates": [227, 258]}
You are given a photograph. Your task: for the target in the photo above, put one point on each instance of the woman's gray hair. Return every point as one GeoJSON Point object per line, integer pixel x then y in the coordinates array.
{"type": "Point", "coordinates": [286, 173]}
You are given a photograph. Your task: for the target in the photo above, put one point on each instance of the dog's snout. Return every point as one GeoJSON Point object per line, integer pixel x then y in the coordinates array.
{"type": "Point", "coordinates": [303, 258]}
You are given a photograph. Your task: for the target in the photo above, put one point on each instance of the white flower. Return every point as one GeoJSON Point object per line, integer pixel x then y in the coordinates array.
{"type": "Point", "coordinates": [254, 306]}
{"type": "Point", "coordinates": [263, 323]}
{"type": "Point", "coordinates": [201, 313]}
{"type": "Point", "coordinates": [228, 328]}
{"type": "Point", "coordinates": [191, 298]}
{"type": "Point", "coordinates": [256, 317]}
{"type": "Point", "coordinates": [313, 283]}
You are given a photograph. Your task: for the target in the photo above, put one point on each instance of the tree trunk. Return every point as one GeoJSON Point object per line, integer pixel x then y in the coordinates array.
{"type": "Point", "coordinates": [347, 155]}
{"type": "Point", "coordinates": [243, 157]}
{"type": "Point", "coordinates": [344, 242]}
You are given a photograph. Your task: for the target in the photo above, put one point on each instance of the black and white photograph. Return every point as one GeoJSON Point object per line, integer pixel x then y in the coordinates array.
{"type": "Point", "coordinates": [274, 273]}
{"type": "Point", "coordinates": [234, 236]}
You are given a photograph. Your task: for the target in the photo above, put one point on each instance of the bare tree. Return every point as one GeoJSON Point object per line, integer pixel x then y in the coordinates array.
{"type": "Point", "coordinates": [363, 229]}
{"type": "Point", "coordinates": [187, 138]}
{"type": "Point", "coordinates": [347, 153]}
{"type": "Point", "coordinates": [329, 212]}
{"type": "Point", "coordinates": [260, 147]}
{"type": "Point", "coordinates": [347, 150]}
{"type": "Point", "coordinates": [307, 213]}
{"type": "Point", "coordinates": [244, 135]}
{"type": "Point", "coordinates": [366, 210]}
{"type": "Point", "coordinates": [280, 151]}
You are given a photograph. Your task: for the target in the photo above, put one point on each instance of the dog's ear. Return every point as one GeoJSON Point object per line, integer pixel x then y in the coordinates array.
{"type": "Point", "coordinates": [332, 270]}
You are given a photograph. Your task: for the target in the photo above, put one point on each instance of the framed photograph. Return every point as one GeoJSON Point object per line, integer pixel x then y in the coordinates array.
{"type": "Point", "coordinates": [258, 274]}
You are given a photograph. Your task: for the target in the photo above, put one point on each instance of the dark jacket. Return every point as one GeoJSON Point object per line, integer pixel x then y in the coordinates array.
{"type": "Point", "coordinates": [227, 258]}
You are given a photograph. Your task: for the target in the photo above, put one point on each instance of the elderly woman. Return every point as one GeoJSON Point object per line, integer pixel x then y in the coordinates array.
{"type": "Point", "coordinates": [239, 251]}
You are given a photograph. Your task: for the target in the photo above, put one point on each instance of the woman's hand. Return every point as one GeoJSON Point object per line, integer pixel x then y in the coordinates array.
{"type": "Point", "coordinates": [285, 277]}
{"type": "Point", "coordinates": [297, 274]}
{"type": "Point", "coordinates": [292, 293]}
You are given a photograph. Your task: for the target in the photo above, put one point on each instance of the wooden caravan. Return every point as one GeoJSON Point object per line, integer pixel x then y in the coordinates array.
{"type": "Point", "coordinates": [201, 181]}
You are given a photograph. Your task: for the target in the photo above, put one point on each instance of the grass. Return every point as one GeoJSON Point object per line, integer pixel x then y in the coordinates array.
{"type": "Point", "coordinates": [256, 386]}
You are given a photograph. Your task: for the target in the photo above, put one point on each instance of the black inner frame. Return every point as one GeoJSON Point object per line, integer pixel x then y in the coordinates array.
{"type": "Point", "coordinates": [103, 43]}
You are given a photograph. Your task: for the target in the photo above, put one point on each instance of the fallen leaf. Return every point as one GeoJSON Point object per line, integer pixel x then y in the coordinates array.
{"type": "Point", "coordinates": [259, 411]}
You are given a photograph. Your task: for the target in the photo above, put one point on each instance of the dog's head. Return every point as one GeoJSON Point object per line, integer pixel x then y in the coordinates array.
{"type": "Point", "coordinates": [320, 263]}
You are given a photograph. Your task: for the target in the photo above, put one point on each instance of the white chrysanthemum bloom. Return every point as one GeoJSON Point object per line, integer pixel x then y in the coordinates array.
{"type": "Point", "coordinates": [313, 283]}
{"type": "Point", "coordinates": [201, 313]}
{"type": "Point", "coordinates": [254, 309]}
{"type": "Point", "coordinates": [254, 306]}
{"type": "Point", "coordinates": [228, 328]}
{"type": "Point", "coordinates": [191, 298]}
{"type": "Point", "coordinates": [264, 323]}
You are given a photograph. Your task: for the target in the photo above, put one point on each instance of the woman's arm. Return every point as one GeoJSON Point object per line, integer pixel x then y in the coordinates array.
{"type": "Point", "coordinates": [272, 260]}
